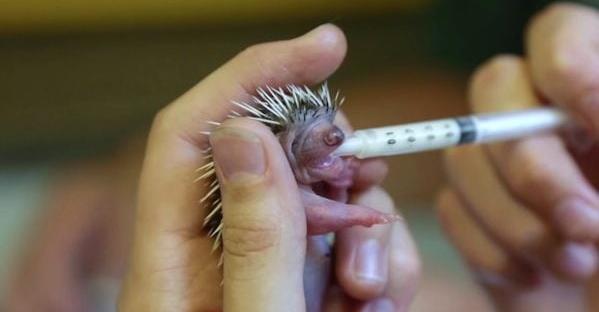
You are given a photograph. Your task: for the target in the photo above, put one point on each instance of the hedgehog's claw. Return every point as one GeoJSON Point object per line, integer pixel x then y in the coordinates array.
{"type": "Point", "coordinates": [324, 215]}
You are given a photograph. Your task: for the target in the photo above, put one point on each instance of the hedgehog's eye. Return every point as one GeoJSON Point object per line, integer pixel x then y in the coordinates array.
{"type": "Point", "coordinates": [315, 142]}
{"type": "Point", "coordinates": [333, 137]}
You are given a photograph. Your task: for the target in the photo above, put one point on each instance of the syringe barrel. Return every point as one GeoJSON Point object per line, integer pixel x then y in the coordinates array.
{"type": "Point", "coordinates": [516, 124]}
{"type": "Point", "coordinates": [404, 139]}
{"type": "Point", "coordinates": [443, 133]}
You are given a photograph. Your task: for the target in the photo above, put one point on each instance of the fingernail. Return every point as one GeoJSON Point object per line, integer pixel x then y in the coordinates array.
{"type": "Point", "coordinates": [370, 261]}
{"type": "Point", "coordinates": [237, 151]}
{"type": "Point", "coordinates": [577, 219]}
{"type": "Point", "coordinates": [379, 305]}
{"type": "Point", "coordinates": [575, 260]}
{"type": "Point", "coordinates": [590, 111]}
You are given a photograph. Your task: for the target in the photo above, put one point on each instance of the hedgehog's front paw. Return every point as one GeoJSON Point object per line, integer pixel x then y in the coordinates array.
{"type": "Point", "coordinates": [324, 215]}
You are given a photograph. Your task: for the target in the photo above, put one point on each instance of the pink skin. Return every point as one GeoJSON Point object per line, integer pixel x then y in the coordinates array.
{"type": "Point", "coordinates": [326, 179]}
{"type": "Point", "coordinates": [325, 215]}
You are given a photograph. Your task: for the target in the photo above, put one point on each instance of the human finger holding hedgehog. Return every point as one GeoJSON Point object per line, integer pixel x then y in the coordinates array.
{"type": "Point", "coordinates": [278, 190]}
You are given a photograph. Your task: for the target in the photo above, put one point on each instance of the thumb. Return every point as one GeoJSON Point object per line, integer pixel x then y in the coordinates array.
{"type": "Point", "coordinates": [562, 45]}
{"type": "Point", "coordinates": [264, 224]}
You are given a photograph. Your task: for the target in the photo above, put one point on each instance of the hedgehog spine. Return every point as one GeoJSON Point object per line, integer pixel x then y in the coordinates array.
{"type": "Point", "coordinates": [279, 109]}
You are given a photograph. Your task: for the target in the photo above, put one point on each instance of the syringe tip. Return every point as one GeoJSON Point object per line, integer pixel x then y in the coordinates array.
{"type": "Point", "coordinates": [350, 147]}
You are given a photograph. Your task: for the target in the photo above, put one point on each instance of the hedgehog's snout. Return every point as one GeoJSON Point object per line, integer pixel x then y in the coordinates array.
{"type": "Point", "coordinates": [311, 152]}
{"type": "Point", "coordinates": [318, 142]}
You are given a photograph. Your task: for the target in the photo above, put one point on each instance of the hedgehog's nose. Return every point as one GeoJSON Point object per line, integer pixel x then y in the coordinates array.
{"type": "Point", "coordinates": [334, 137]}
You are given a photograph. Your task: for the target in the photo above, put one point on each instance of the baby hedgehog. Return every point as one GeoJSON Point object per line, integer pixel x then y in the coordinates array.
{"type": "Point", "coordinates": [303, 121]}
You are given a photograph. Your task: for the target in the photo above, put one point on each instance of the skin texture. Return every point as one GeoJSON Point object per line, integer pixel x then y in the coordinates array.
{"type": "Point", "coordinates": [270, 264]}
{"type": "Point", "coordinates": [525, 214]}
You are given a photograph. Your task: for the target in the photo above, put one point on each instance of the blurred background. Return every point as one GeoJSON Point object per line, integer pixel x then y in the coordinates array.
{"type": "Point", "coordinates": [81, 80]}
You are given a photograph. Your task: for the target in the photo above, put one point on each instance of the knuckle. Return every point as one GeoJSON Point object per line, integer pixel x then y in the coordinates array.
{"type": "Point", "coordinates": [160, 116]}
{"type": "Point", "coordinates": [251, 52]}
{"type": "Point", "coordinates": [250, 236]}
{"type": "Point", "coordinates": [161, 119]}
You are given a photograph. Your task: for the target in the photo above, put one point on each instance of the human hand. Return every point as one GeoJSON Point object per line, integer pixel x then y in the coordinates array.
{"type": "Point", "coordinates": [269, 262]}
{"type": "Point", "coordinates": [525, 214]}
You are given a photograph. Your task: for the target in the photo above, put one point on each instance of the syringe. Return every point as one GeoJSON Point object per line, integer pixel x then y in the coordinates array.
{"type": "Point", "coordinates": [443, 133]}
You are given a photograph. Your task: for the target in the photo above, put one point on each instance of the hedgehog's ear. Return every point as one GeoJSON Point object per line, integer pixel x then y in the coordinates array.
{"type": "Point", "coordinates": [324, 215]}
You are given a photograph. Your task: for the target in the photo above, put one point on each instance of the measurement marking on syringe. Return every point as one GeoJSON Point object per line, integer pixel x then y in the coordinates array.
{"type": "Point", "coordinates": [439, 134]}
